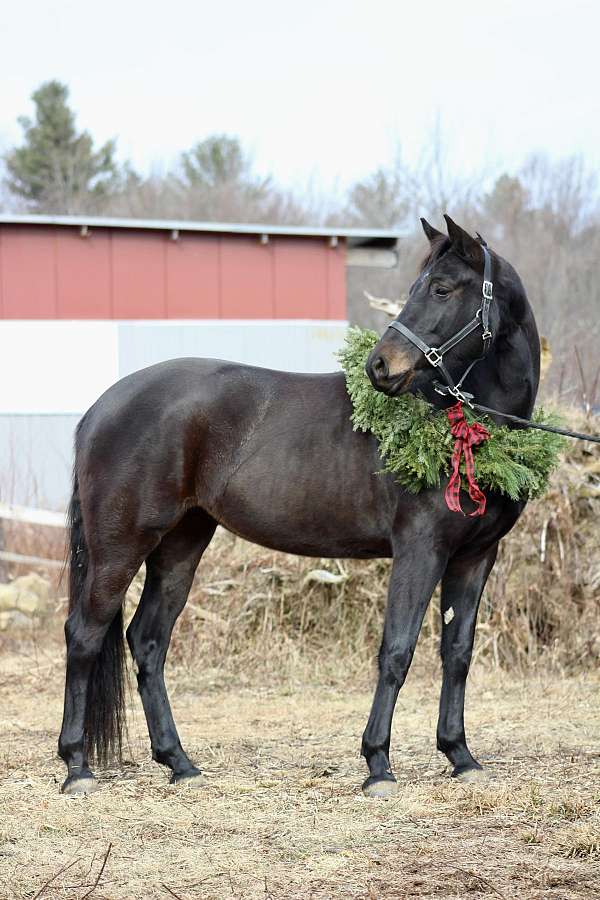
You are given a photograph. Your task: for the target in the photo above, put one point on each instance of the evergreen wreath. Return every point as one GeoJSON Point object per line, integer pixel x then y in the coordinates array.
{"type": "Point", "coordinates": [415, 440]}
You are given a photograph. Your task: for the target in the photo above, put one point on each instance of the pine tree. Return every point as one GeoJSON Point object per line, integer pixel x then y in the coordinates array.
{"type": "Point", "coordinates": [57, 169]}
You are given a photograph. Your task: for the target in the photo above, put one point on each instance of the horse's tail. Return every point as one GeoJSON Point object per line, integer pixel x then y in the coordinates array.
{"type": "Point", "coordinates": [105, 702]}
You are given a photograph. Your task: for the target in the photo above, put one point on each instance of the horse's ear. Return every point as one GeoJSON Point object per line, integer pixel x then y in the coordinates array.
{"type": "Point", "coordinates": [431, 233]}
{"type": "Point", "coordinates": [462, 242]}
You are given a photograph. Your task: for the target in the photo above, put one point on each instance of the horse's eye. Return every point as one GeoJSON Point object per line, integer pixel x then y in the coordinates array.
{"type": "Point", "coordinates": [440, 291]}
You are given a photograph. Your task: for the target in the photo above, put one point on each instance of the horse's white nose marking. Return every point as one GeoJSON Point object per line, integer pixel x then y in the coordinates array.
{"type": "Point", "coordinates": [448, 615]}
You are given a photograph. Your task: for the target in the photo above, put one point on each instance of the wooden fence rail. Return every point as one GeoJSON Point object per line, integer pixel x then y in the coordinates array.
{"type": "Point", "coordinates": [29, 515]}
{"type": "Point", "coordinates": [33, 516]}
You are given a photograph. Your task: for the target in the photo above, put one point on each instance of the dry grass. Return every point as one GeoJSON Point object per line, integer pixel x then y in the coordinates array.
{"type": "Point", "coordinates": [271, 672]}
{"type": "Point", "coordinates": [281, 814]}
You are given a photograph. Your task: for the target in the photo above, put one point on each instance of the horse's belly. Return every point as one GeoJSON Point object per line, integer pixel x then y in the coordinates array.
{"type": "Point", "coordinates": [312, 543]}
{"type": "Point", "coordinates": [308, 512]}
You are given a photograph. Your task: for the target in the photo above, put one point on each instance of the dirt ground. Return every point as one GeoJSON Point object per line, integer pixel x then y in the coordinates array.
{"type": "Point", "coordinates": [281, 814]}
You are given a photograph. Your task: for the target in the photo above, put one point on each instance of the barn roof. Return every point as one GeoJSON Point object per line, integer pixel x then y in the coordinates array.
{"type": "Point", "coordinates": [354, 237]}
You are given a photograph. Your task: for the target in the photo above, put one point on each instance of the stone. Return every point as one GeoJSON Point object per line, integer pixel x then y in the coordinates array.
{"type": "Point", "coordinates": [13, 617]}
{"type": "Point", "coordinates": [29, 594]}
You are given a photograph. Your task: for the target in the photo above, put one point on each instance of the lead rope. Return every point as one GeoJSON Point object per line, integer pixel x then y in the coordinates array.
{"type": "Point", "coordinates": [469, 436]}
{"type": "Point", "coordinates": [541, 426]}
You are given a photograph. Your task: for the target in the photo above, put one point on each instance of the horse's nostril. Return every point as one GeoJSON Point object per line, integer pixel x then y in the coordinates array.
{"type": "Point", "coordinates": [379, 367]}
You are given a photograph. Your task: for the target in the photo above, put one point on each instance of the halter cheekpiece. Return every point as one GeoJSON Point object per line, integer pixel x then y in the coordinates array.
{"type": "Point", "coordinates": [435, 355]}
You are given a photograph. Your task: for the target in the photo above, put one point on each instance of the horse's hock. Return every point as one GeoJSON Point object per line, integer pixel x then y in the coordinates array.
{"type": "Point", "coordinates": [23, 600]}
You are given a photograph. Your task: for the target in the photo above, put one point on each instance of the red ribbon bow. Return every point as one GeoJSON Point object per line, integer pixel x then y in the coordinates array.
{"type": "Point", "coordinates": [467, 436]}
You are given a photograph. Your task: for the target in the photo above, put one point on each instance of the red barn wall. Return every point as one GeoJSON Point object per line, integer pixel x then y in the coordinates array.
{"type": "Point", "coordinates": [52, 272]}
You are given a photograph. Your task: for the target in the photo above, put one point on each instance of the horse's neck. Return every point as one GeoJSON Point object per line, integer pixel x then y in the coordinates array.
{"type": "Point", "coordinates": [509, 379]}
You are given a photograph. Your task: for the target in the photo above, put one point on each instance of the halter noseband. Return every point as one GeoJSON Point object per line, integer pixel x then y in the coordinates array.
{"type": "Point", "coordinates": [435, 355]}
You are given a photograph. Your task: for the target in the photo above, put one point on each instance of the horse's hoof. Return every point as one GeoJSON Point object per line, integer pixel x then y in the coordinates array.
{"type": "Point", "coordinates": [381, 789]}
{"type": "Point", "coordinates": [76, 786]}
{"type": "Point", "coordinates": [193, 779]}
{"type": "Point", "coordinates": [472, 776]}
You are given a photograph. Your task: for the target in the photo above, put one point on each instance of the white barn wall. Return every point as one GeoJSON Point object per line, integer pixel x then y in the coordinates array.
{"type": "Point", "coordinates": [36, 456]}
{"type": "Point", "coordinates": [53, 366]}
{"type": "Point", "coordinates": [291, 345]}
{"type": "Point", "coordinates": [52, 371]}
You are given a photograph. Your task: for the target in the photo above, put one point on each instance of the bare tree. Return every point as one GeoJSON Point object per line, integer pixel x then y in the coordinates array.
{"type": "Point", "coordinates": [544, 218]}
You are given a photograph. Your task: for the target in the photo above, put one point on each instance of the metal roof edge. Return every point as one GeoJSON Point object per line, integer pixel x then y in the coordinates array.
{"type": "Point", "coordinates": [353, 235]}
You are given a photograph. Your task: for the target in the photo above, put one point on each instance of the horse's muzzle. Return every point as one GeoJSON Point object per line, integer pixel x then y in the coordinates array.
{"type": "Point", "coordinates": [380, 377]}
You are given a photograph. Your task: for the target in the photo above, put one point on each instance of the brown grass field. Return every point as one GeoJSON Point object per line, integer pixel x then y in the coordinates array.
{"type": "Point", "coordinates": [281, 814]}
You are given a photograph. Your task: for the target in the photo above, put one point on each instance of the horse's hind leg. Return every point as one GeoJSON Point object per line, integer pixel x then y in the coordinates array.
{"type": "Point", "coordinates": [462, 587]}
{"type": "Point", "coordinates": [94, 694]}
{"type": "Point", "coordinates": [170, 571]}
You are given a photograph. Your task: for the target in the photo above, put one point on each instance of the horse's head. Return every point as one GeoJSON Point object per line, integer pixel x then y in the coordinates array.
{"type": "Point", "coordinates": [446, 296]}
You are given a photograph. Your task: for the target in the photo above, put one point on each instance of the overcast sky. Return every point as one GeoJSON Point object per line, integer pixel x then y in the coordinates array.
{"type": "Point", "coordinates": [314, 89]}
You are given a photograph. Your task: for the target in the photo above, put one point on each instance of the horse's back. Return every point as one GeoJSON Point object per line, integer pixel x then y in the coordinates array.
{"type": "Point", "coordinates": [265, 452]}
{"type": "Point", "coordinates": [194, 394]}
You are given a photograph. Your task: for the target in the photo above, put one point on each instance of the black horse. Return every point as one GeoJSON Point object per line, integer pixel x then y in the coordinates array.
{"type": "Point", "coordinates": [169, 452]}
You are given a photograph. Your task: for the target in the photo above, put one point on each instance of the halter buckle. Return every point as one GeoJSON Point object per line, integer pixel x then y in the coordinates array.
{"type": "Point", "coordinates": [486, 335]}
{"type": "Point", "coordinates": [488, 290]}
{"type": "Point", "coordinates": [464, 398]}
{"type": "Point", "coordinates": [433, 357]}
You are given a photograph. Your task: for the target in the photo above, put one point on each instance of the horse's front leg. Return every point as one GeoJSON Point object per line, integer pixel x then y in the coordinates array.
{"type": "Point", "coordinates": [462, 587]}
{"type": "Point", "coordinates": [415, 572]}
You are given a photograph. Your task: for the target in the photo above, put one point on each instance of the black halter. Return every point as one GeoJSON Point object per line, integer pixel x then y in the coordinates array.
{"type": "Point", "coordinates": [435, 355]}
